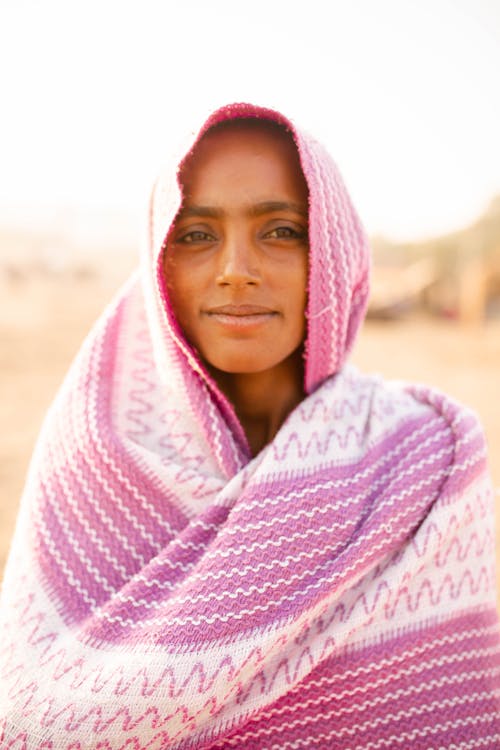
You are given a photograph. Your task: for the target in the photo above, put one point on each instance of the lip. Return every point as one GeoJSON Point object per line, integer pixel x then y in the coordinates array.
{"type": "Point", "coordinates": [240, 316]}
{"type": "Point", "coordinates": [240, 311]}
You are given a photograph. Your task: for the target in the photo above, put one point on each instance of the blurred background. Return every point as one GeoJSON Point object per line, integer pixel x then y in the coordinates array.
{"type": "Point", "coordinates": [95, 95]}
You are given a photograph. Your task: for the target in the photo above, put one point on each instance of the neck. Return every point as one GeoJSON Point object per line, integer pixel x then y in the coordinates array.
{"type": "Point", "coordinates": [263, 400]}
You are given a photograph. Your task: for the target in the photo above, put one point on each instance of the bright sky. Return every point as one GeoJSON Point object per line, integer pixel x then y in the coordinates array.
{"type": "Point", "coordinates": [405, 93]}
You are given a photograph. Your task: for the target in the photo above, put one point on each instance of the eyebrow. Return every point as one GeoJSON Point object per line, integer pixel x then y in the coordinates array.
{"type": "Point", "coordinates": [258, 209]}
{"type": "Point", "coordinates": [267, 207]}
{"type": "Point", "coordinates": [206, 211]}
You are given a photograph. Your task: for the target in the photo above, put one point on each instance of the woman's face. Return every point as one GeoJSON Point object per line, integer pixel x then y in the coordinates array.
{"type": "Point", "coordinates": [236, 258]}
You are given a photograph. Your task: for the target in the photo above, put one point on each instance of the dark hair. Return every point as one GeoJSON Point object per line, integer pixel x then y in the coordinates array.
{"type": "Point", "coordinates": [259, 123]}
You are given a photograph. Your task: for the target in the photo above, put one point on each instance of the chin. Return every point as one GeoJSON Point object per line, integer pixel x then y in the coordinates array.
{"type": "Point", "coordinates": [242, 367]}
{"type": "Point", "coordinates": [248, 360]}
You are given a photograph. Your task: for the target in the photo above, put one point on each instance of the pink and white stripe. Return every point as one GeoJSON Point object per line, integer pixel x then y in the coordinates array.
{"type": "Point", "coordinates": [167, 590]}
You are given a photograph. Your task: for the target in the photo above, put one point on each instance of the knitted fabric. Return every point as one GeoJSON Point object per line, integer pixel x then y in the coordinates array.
{"type": "Point", "coordinates": [167, 590]}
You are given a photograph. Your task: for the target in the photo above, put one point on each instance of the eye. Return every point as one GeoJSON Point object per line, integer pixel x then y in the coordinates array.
{"type": "Point", "coordinates": [195, 236]}
{"type": "Point", "coordinates": [285, 233]}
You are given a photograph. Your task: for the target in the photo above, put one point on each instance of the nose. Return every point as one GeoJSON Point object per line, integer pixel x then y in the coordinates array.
{"type": "Point", "coordinates": [238, 263]}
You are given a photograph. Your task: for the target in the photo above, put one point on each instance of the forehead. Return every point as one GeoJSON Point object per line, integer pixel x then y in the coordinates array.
{"type": "Point", "coordinates": [242, 152]}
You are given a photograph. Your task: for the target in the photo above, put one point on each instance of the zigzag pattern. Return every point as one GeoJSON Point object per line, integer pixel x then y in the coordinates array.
{"type": "Point", "coordinates": [168, 590]}
{"type": "Point", "coordinates": [428, 672]}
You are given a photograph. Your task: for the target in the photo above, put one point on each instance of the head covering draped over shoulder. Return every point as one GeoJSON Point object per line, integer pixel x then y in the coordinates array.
{"type": "Point", "coordinates": [339, 265]}
{"type": "Point", "coordinates": [167, 590]}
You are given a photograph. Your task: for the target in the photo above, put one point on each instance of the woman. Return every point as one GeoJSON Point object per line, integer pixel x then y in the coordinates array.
{"type": "Point", "coordinates": [229, 537]}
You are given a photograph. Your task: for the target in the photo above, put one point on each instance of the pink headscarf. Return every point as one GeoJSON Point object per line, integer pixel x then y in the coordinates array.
{"type": "Point", "coordinates": [339, 265]}
{"type": "Point", "coordinates": [165, 589]}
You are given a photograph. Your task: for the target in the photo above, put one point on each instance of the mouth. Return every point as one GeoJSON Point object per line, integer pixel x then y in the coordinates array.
{"type": "Point", "coordinates": [240, 316]}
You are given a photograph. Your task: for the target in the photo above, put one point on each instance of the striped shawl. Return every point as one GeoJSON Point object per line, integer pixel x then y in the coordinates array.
{"type": "Point", "coordinates": [167, 590]}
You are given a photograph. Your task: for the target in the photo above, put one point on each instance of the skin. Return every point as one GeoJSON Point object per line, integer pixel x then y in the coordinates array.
{"type": "Point", "coordinates": [236, 266]}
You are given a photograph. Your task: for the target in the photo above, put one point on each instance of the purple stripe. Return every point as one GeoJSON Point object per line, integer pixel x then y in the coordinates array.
{"type": "Point", "coordinates": [385, 691]}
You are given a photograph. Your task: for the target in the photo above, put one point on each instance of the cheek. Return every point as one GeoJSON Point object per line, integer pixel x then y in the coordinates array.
{"type": "Point", "coordinates": [303, 295]}
{"type": "Point", "coordinates": [295, 293]}
{"type": "Point", "coordinates": [297, 284]}
{"type": "Point", "coordinates": [177, 285]}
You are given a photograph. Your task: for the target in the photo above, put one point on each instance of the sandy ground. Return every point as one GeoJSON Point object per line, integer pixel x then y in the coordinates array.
{"type": "Point", "coordinates": [43, 321]}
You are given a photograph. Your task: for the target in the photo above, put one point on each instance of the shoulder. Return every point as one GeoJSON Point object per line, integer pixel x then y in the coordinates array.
{"type": "Point", "coordinates": [396, 405]}
{"type": "Point", "coordinates": [403, 398]}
